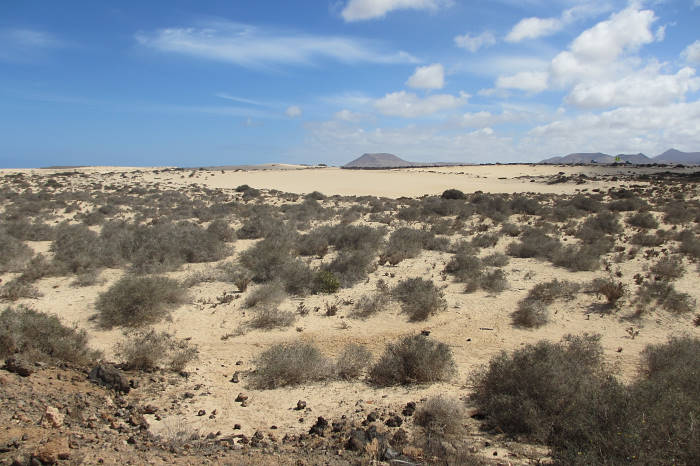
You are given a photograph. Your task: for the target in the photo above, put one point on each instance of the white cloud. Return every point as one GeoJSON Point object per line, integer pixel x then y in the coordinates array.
{"type": "Point", "coordinates": [358, 10]}
{"type": "Point", "coordinates": [428, 77]}
{"type": "Point", "coordinates": [408, 105]}
{"type": "Point", "coordinates": [530, 81]}
{"type": "Point", "coordinates": [26, 44]}
{"type": "Point", "coordinates": [347, 115]}
{"type": "Point", "coordinates": [474, 43]}
{"type": "Point", "coordinates": [412, 142]}
{"type": "Point", "coordinates": [532, 28]}
{"type": "Point", "coordinates": [621, 130]}
{"type": "Point", "coordinates": [256, 47]}
{"type": "Point", "coordinates": [691, 53]}
{"type": "Point", "coordinates": [644, 88]}
{"type": "Point", "coordinates": [293, 111]}
{"type": "Point", "coordinates": [483, 119]}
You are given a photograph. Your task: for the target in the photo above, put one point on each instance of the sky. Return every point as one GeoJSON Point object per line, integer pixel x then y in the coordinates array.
{"type": "Point", "coordinates": [225, 82]}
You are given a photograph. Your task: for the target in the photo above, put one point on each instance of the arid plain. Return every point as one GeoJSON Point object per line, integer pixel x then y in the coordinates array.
{"type": "Point", "coordinates": [266, 257]}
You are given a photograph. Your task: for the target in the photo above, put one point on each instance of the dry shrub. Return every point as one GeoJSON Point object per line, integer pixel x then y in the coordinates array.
{"type": "Point", "coordinates": [352, 361]}
{"type": "Point", "coordinates": [371, 304]}
{"type": "Point", "coordinates": [533, 312]}
{"type": "Point", "coordinates": [41, 337]}
{"type": "Point", "coordinates": [419, 298]}
{"type": "Point", "coordinates": [13, 253]}
{"type": "Point", "coordinates": [413, 359]}
{"type": "Point", "coordinates": [643, 220]}
{"type": "Point", "coordinates": [268, 294]}
{"type": "Point", "coordinates": [612, 289]}
{"type": "Point", "coordinates": [530, 314]}
{"type": "Point", "coordinates": [150, 350]}
{"type": "Point", "coordinates": [16, 289]}
{"type": "Point", "coordinates": [496, 259]}
{"type": "Point", "coordinates": [270, 317]}
{"type": "Point", "coordinates": [440, 416]}
{"type": "Point", "coordinates": [134, 301]}
{"type": "Point", "coordinates": [668, 268]}
{"type": "Point", "coordinates": [287, 364]}
{"type": "Point", "coordinates": [495, 281]}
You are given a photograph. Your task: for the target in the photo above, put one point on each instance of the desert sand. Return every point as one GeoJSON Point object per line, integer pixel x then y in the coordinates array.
{"type": "Point", "coordinates": [475, 325]}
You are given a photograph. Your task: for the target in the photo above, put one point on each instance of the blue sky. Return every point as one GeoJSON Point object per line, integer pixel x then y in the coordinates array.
{"type": "Point", "coordinates": [195, 83]}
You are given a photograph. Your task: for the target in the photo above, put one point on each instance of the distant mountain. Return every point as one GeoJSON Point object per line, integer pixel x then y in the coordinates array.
{"type": "Point", "coordinates": [676, 156]}
{"type": "Point", "coordinates": [584, 157]}
{"type": "Point", "coordinates": [380, 160]}
{"type": "Point", "coordinates": [636, 159]}
{"type": "Point", "coordinates": [670, 156]}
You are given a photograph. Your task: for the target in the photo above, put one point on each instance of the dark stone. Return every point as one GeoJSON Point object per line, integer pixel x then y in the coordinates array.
{"type": "Point", "coordinates": [131, 440]}
{"type": "Point", "coordinates": [18, 366]}
{"type": "Point", "coordinates": [338, 426]}
{"type": "Point", "coordinates": [234, 378]}
{"type": "Point", "coordinates": [201, 412]}
{"type": "Point", "coordinates": [301, 404]}
{"type": "Point", "coordinates": [373, 416]}
{"type": "Point", "coordinates": [236, 427]}
{"type": "Point", "coordinates": [319, 428]}
{"type": "Point", "coordinates": [409, 409]}
{"type": "Point", "coordinates": [188, 395]}
{"type": "Point", "coordinates": [241, 397]}
{"type": "Point", "coordinates": [394, 421]}
{"type": "Point", "coordinates": [258, 435]}
{"type": "Point", "coordinates": [425, 333]}
{"type": "Point", "coordinates": [109, 376]}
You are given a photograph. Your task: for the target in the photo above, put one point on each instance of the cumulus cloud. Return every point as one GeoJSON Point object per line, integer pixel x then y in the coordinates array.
{"type": "Point", "coordinates": [408, 105]}
{"type": "Point", "coordinates": [427, 77]}
{"type": "Point", "coordinates": [358, 10]}
{"type": "Point", "coordinates": [644, 88]}
{"type": "Point", "coordinates": [691, 53]}
{"type": "Point", "coordinates": [532, 28]}
{"type": "Point", "coordinates": [293, 111]}
{"type": "Point", "coordinates": [593, 52]}
{"type": "Point", "coordinates": [474, 43]}
{"type": "Point", "coordinates": [251, 46]}
{"type": "Point", "coordinates": [530, 81]}
{"type": "Point", "coordinates": [648, 129]}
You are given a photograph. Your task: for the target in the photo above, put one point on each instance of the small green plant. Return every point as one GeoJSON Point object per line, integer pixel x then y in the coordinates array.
{"type": "Point", "coordinates": [326, 282]}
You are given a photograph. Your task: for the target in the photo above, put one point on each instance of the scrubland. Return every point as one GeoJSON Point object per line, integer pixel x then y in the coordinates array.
{"type": "Point", "coordinates": [459, 327]}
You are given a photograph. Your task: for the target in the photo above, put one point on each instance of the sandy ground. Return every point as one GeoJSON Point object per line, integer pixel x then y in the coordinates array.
{"type": "Point", "coordinates": [476, 326]}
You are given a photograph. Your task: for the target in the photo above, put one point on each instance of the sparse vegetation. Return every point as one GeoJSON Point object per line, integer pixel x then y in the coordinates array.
{"type": "Point", "coordinates": [42, 337]}
{"type": "Point", "coordinates": [148, 350]}
{"type": "Point", "coordinates": [352, 361]}
{"type": "Point", "coordinates": [419, 298]}
{"type": "Point", "coordinates": [134, 301]}
{"type": "Point", "coordinates": [287, 364]}
{"type": "Point", "coordinates": [413, 359]}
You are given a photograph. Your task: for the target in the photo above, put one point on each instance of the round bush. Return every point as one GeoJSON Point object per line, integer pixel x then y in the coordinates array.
{"type": "Point", "coordinates": [413, 359]}
{"type": "Point", "coordinates": [138, 300]}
